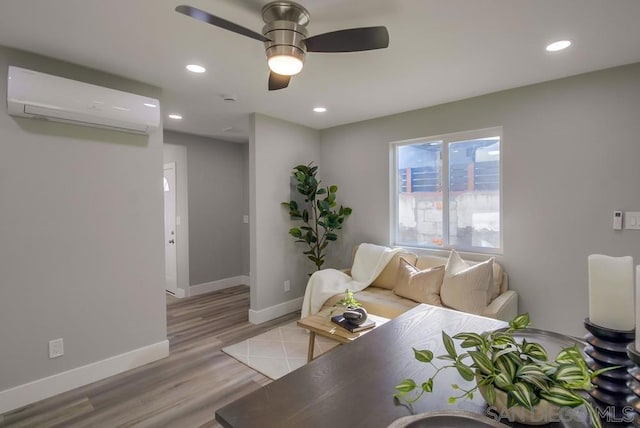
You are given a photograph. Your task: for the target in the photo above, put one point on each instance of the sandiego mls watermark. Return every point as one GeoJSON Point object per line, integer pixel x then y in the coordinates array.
{"type": "Point", "coordinates": [564, 414]}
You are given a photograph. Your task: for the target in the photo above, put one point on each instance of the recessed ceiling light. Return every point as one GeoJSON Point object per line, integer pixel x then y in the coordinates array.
{"type": "Point", "coordinates": [319, 109]}
{"type": "Point", "coordinates": [558, 46]}
{"type": "Point", "coordinates": [194, 68]}
{"type": "Point", "coordinates": [175, 116]}
{"type": "Point", "coordinates": [151, 105]}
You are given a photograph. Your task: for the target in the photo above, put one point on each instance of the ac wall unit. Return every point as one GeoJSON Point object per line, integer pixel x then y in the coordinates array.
{"type": "Point", "coordinates": [39, 95]}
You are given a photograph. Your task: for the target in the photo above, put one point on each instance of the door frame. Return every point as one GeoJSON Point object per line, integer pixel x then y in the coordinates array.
{"type": "Point", "coordinates": [175, 290]}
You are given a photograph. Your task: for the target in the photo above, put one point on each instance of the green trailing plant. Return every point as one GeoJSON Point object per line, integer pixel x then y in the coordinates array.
{"type": "Point", "coordinates": [320, 215]}
{"type": "Point", "coordinates": [497, 361]}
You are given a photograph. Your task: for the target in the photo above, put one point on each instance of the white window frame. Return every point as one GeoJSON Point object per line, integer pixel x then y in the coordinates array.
{"type": "Point", "coordinates": [446, 139]}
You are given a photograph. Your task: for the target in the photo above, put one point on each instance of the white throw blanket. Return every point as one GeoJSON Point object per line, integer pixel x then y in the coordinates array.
{"type": "Point", "coordinates": [368, 263]}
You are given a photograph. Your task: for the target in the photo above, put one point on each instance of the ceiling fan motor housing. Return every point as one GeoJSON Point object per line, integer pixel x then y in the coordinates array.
{"type": "Point", "coordinates": [285, 29]}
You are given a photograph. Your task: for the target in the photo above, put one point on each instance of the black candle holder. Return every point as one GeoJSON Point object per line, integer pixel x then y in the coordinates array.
{"type": "Point", "coordinates": [634, 382]}
{"type": "Point", "coordinates": [608, 348]}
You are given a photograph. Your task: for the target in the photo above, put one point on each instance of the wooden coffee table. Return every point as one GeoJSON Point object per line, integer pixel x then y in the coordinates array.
{"type": "Point", "coordinates": [321, 324]}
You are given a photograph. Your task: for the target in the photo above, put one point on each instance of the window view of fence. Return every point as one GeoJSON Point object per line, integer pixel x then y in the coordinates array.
{"type": "Point", "coordinates": [471, 192]}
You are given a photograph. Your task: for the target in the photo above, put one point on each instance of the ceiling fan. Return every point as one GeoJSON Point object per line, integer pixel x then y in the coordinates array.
{"type": "Point", "coordinates": [285, 38]}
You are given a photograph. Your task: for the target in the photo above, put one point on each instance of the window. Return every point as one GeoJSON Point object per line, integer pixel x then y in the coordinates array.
{"type": "Point", "coordinates": [446, 192]}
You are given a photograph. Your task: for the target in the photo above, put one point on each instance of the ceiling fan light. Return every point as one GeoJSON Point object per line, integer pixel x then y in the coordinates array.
{"type": "Point", "coordinates": [285, 65]}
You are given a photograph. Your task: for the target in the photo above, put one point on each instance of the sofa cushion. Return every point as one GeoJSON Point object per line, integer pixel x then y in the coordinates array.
{"type": "Point", "coordinates": [387, 278]}
{"type": "Point", "coordinates": [499, 284]}
{"type": "Point", "coordinates": [467, 288]}
{"type": "Point", "coordinates": [427, 262]}
{"type": "Point", "coordinates": [422, 286]}
{"type": "Point", "coordinates": [378, 301]}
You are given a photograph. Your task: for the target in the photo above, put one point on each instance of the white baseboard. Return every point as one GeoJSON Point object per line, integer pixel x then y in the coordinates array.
{"type": "Point", "coordinates": [40, 389]}
{"type": "Point", "coordinates": [220, 284]}
{"type": "Point", "coordinates": [273, 312]}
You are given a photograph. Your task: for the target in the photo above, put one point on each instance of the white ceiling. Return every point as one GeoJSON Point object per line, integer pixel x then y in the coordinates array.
{"type": "Point", "coordinates": [440, 51]}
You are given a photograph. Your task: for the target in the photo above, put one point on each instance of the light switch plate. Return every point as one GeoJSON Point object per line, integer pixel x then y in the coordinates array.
{"type": "Point", "coordinates": [632, 220]}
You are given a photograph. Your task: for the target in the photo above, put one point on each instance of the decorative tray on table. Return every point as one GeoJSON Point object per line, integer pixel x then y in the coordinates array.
{"type": "Point", "coordinates": [447, 418]}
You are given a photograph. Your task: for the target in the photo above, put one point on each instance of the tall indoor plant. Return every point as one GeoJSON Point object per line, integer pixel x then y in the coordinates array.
{"type": "Point", "coordinates": [319, 213]}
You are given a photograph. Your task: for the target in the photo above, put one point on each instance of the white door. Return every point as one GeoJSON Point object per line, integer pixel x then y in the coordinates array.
{"type": "Point", "coordinates": [170, 259]}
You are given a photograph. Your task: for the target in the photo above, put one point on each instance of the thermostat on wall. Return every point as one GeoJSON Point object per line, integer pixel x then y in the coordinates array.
{"type": "Point", "coordinates": [617, 220]}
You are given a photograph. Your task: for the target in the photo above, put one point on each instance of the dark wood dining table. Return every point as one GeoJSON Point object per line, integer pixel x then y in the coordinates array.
{"type": "Point", "coordinates": [353, 385]}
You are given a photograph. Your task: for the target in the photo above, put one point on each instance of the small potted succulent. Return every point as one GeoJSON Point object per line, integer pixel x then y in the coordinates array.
{"type": "Point", "coordinates": [514, 376]}
{"type": "Point", "coordinates": [353, 310]}
{"type": "Point", "coordinates": [349, 302]}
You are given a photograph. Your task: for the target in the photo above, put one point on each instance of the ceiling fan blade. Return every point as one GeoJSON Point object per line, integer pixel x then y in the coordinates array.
{"type": "Point", "coordinates": [203, 16]}
{"type": "Point", "coordinates": [278, 81]}
{"type": "Point", "coordinates": [351, 40]}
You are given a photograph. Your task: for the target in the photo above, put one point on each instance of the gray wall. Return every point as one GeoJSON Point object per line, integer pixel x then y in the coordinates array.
{"type": "Point", "coordinates": [245, 237]}
{"type": "Point", "coordinates": [275, 147]}
{"type": "Point", "coordinates": [570, 153]}
{"type": "Point", "coordinates": [81, 224]}
{"type": "Point", "coordinates": [216, 177]}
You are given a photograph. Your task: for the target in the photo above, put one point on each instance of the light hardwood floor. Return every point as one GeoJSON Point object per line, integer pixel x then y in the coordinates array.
{"type": "Point", "coordinates": [183, 390]}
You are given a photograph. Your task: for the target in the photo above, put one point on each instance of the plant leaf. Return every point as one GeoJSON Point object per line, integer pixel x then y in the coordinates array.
{"type": "Point", "coordinates": [533, 374]}
{"type": "Point", "coordinates": [604, 370]}
{"type": "Point", "coordinates": [448, 345]}
{"type": "Point", "coordinates": [482, 362]}
{"type": "Point", "coordinates": [424, 356]}
{"type": "Point", "coordinates": [501, 339]}
{"type": "Point", "coordinates": [507, 350]}
{"type": "Point", "coordinates": [469, 339]}
{"type": "Point", "coordinates": [465, 371]}
{"type": "Point", "coordinates": [561, 397]}
{"type": "Point", "coordinates": [520, 322]}
{"type": "Point", "coordinates": [506, 365]}
{"type": "Point", "coordinates": [536, 351]}
{"type": "Point", "coordinates": [530, 370]}
{"type": "Point", "coordinates": [405, 386]}
{"type": "Point", "coordinates": [573, 376]}
{"type": "Point", "coordinates": [295, 232]}
{"type": "Point", "coordinates": [428, 385]}
{"type": "Point", "coordinates": [569, 355]}
{"type": "Point", "coordinates": [503, 381]}
{"type": "Point", "coordinates": [523, 394]}
{"type": "Point", "coordinates": [446, 357]}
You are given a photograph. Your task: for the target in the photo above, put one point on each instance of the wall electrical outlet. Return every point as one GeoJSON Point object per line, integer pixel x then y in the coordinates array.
{"type": "Point", "coordinates": [245, 219]}
{"type": "Point", "coordinates": [56, 348]}
{"type": "Point", "coordinates": [287, 285]}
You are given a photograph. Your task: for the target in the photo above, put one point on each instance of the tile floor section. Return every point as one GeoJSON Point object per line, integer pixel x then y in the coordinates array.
{"type": "Point", "coordinates": [278, 351]}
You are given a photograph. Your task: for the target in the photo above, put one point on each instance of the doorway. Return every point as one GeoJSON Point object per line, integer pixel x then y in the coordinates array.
{"type": "Point", "coordinates": [170, 235]}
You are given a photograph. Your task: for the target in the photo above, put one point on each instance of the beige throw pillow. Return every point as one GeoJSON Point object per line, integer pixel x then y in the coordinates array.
{"type": "Point", "coordinates": [421, 286]}
{"type": "Point", "coordinates": [467, 288]}
{"type": "Point", "coordinates": [387, 278]}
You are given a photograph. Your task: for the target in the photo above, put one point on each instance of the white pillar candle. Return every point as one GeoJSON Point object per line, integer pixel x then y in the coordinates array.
{"type": "Point", "coordinates": [611, 299]}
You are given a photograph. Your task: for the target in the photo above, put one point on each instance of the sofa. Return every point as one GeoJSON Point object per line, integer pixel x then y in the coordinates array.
{"type": "Point", "coordinates": [409, 280]}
